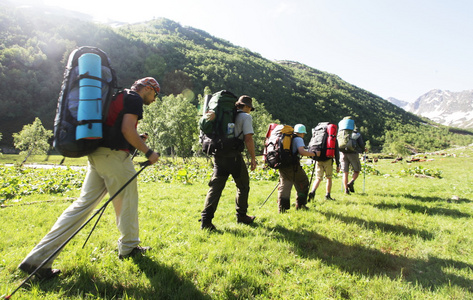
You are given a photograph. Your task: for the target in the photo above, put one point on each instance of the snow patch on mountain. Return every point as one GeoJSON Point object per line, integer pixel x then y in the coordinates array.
{"type": "Point", "coordinates": [444, 107]}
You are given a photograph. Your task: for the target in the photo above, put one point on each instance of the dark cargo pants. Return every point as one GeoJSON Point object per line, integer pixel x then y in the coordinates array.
{"type": "Point", "coordinates": [223, 167]}
{"type": "Point", "coordinates": [289, 176]}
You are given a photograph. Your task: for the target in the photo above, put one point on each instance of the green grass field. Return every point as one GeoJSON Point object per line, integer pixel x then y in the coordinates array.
{"type": "Point", "coordinates": [406, 237]}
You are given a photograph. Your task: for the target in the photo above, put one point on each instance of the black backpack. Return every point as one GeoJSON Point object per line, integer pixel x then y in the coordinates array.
{"type": "Point", "coordinates": [66, 123]}
{"type": "Point", "coordinates": [323, 141]}
{"type": "Point", "coordinates": [218, 135]}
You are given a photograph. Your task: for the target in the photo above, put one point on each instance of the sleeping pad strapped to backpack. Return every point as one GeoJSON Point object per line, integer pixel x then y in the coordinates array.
{"type": "Point", "coordinates": [323, 141]}
{"type": "Point", "coordinates": [66, 121]}
{"type": "Point", "coordinates": [218, 135]}
{"type": "Point", "coordinates": [278, 146]}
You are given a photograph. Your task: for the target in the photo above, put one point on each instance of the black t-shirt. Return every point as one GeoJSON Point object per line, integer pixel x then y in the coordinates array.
{"type": "Point", "coordinates": [133, 104]}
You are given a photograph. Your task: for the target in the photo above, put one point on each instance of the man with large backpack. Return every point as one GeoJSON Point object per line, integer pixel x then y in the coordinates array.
{"type": "Point", "coordinates": [324, 144]}
{"type": "Point", "coordinates": [109, 168]}
{"type": "Point", "coordinates": [351, 145]}
{"type": "Point", "coordinates": [230, 162]}
{"type": "Point", "coordinates": [293, 174]}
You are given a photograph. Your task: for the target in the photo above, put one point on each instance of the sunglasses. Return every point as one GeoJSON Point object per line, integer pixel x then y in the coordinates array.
{"type": "Point", "coordinates": [156, 94]}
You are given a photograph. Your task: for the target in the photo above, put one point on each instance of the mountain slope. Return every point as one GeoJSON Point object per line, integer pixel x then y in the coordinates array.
{"type": "Point", "coordinates": [445, 107]}
{"type": "Point", "coordinates": [34, 47]}
{"type": "Point", "coordinates": [397, 102]}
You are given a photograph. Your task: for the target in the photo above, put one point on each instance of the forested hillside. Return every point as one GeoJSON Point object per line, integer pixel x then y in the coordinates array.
{"type": "Point", "coordinates": [34, 47]}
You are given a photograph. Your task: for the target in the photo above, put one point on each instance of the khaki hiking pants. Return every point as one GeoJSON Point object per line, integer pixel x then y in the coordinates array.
{"type": "Point", "coordinates": [108, 170]}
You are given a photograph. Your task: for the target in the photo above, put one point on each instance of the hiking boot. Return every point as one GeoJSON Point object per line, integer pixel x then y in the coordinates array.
{"type": "Point", "coordinates": [207, 225]}
{"type": "Point", "coordinates": [311, 196]}
{"type": "Point", "coordinates": [351, 186]}
{"type": "Point", "coordinates": [137, 250]}
{"type": "Point", "coordinates": [43, 273]}
{"type": "Point", "coordinates": [284, 204]}
{"type": "Point", "coordinates": [301, 207]}
{"type": "Point", "coordinates": [245, 219]}
{"type": "Point", "coordinates": [327, 197]}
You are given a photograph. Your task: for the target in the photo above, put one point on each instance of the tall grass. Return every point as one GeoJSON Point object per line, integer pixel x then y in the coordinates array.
{"type": "Point", "coordinates": [406, 237]}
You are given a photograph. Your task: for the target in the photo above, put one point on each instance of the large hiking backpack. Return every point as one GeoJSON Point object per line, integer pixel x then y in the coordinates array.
{"type": "Point", "coordinates": [83, 102]}
{"type": "Point", "coordinates": [112, 133]}
{"type": "Point", "coordinates": [278, 146]}
{"type": "Point", "coordinates": [345, 137]}
{"type": "Point", "coordinates": [323, 141]}
{"type": "Point", "coordinates": [218, 135]}
{"type": "Point", "coordinates": [268, 134]}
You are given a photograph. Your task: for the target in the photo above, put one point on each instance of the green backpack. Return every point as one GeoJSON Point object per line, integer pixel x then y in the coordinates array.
{"type": "Point", "coordinates": [218, 135]}
{"type": "Point", "coordinates": [345, 142]}
{"type": "Point", "coordinates": [346, 138]}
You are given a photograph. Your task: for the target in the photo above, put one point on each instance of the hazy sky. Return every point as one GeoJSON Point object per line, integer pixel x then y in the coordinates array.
{"type": "Point", "coordinates": [396, 48]}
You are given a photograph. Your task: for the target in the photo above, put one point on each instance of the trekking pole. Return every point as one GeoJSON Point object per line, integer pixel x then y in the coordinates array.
{"type": "Point", "coordinates": [145, 164]}
{"type": "Point", "coordinates": [364, 172]}
{"type": "Point", "coordinates": [102, 209]}
{"type": "Point", "coordinates": [310, 182]}
{"type": "Point", "coordinates": [270, 195]}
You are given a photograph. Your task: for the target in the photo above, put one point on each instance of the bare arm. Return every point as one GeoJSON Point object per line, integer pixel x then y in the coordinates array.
{"type": "Point", "coordinates": [132, 136]}
{"type": "Point", "coordinates": [250, 145]}
{"type": "Point", "coordinates": [303, 152]}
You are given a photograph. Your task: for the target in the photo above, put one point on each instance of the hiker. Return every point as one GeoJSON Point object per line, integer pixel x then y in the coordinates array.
{"type": "Point", "coordinates": [352, 158]}
{"type": "Point", "coordinates": [325, 167]}
{"type": "Point", "coordinates": [294, 174]}
{"type": "Point", "coordinates": [109, 168]}
{"type": "Point", "coordinates": [231, 163]}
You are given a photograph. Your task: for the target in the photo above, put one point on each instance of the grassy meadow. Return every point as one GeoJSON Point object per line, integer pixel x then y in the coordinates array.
{"type": "Point", "coordinates": [406, 237]}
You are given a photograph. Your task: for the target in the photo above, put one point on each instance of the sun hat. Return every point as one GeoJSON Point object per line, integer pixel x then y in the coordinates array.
{"type": "Point", "coordinates": [245, 100]}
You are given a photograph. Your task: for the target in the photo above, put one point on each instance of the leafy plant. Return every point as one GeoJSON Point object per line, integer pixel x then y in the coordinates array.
{"type": "Point", "coordinates": [17, 182]}
{"type": "Point", "coordinates": [420, 170]}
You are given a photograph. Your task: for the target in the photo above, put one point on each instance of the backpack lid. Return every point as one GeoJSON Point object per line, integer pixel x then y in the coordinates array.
{"type": "Point", "coordinates": [346, 124]}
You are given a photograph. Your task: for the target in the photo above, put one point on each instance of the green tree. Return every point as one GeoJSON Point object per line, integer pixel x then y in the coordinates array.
{"type": "Point", "coordinates": [171, 125]}
{"type": "Point", "coordinates": [399, 148]}
{"type": "Point", "coordinates": [368, 146]}
{"type": "Point", "coordinates": [33, 139]}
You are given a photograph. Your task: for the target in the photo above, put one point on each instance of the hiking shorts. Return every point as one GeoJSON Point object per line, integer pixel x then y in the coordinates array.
{"type": "Point", "coordinates": [324, 167]}
{"type": "Point", "coordinates": [348, 159]}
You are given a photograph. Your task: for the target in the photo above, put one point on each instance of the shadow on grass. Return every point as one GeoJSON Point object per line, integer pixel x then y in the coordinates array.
{"type": "Point", "coordinates": [370, 225]}
{"type": "Point", "coordinates": [435, 199]}
{"type": "Point", "coordinates": [358, 260]}
{"type": "Point", "coordinates": [426, 198]}
{"type": "Point", "coordinates": [164, 283]}
{"type": "Point", "coordinates": [431, 211]}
